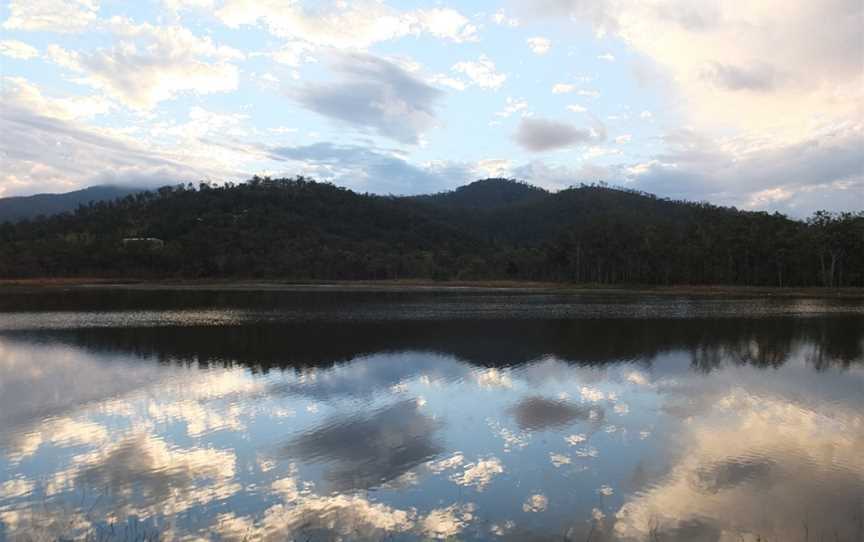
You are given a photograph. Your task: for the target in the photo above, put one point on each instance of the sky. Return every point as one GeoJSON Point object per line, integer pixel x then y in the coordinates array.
{"type": "Point", "coordinates": [757, 104]}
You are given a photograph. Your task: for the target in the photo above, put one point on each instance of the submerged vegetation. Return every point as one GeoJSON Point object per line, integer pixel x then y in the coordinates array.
{"type": "Point", "coordinates": [488, 230]}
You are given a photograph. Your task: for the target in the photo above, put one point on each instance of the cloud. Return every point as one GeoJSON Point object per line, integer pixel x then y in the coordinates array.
{"type": "Point", "coordinates": [512, 105]}
{"type": "Point", "coordinates": [47, 147]}
{"type": "Point", "coordinates": [17, 49]}
{"type": "Point", "coordinates": [823, 171]}
{"type": "Point", "coordinates": [538, 135]}
{"type": "Point", "coordinates": [608, 57]}
{"type": "Point", "coordinates": [539, 45]}
{"type": "Point", "coordinates": [374, 94]}
{"type": "Point", "coordinates": [719, 483]}
{"type": "Point", "coordinates": [557, 176]}
{"type": "Point", "coordinates": [501, 18]}
{"type": "Point", "coordinates": [539, 413]}
{"type": "Point", "coordinates": [563, 88]}
{"type": "Point", "coordinates": [767, 60]}
{"type": "Point", "coordinates": [20, 91]}
{"type": "Point", "coordinates": [369, 169]}
{"type": "Point", "coordinates": [346, 25]}
{"type": "Point", "coordinates": [149, 64]}
{"type": "Point", "coordinates": [481, 72]}
{"type": "Point", "coordinates": [759, 78]}
{"type": "Point", "coordinates": [63, 16]}
{"type": "Point", "coordinates": [576, 108]}
{"type": "Point", "coordinates": [365, 451]}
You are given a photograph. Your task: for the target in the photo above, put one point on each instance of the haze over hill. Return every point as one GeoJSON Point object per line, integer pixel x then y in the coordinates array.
{"type": "Point", "coordinates": [490, 229]}
{"type": "Point", "coordinates": [21, 207]}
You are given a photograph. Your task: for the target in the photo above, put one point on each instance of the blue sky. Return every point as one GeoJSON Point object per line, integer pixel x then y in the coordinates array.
{"type": "Point", "coordinates": [757, 106]}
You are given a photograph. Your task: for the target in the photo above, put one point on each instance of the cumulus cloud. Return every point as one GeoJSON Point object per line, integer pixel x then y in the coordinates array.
{"type": "Point", "coordinates": [149, 64]}
{"type": "Point", "coordinates": [51, 15]}
{"type": "Point", "coordinates": [539, 45]}
{"type": "Point", "coordinates": [481, 72]}
{"type": "Point", "coordinates": [538, 135]}
{"type": "Point", "coordinates": [373, 94]}
{"type": "Point", "coordinates": [346, 25]}
{"type": "Point", "coordinates": [17, 49]}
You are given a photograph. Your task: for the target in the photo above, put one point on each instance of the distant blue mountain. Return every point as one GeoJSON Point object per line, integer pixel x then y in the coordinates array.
{"type": "Point", "coordinates": [21, 207]}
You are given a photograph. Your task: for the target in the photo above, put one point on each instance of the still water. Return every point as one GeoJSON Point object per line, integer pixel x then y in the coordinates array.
{"type": "Point", "coordinates": [464, 415]}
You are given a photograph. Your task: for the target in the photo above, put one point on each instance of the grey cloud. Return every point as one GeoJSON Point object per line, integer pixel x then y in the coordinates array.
{"type": "Point", "coordinates": [376, 94]}
{"type": "Point", "coordinates": [538, 135]}
{"type": "Point", "coordinates": [759, 77]}
{"type": "Point", "coordinates": [374, 170]}
{"type": "Point", "coordinates": [808, 171]}
{"type": "Point", "coordinates": [539, 413]}
{"type": "Point", "coordinates": [365, 451]}
{"type": "Point", "coordinates": [599, 12]}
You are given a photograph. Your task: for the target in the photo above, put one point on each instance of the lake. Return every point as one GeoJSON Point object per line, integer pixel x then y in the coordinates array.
{"type": "Point", "coordinates": [327, 414]}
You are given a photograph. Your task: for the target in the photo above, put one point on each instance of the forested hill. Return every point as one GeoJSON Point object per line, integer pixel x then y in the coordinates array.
{"type": "Point", "coordinates": [490, 229]}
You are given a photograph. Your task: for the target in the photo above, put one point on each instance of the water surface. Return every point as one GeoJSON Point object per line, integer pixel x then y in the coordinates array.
{"type": "Point", "coordinates": [323, 415]}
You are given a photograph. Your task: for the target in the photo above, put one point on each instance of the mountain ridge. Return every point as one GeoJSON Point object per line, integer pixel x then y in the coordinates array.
{"type": "Point", "coordinates": [491, 229]}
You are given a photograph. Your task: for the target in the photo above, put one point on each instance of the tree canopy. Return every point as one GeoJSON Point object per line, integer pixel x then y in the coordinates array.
{"type": "Point", "coordinates": [491, 229]}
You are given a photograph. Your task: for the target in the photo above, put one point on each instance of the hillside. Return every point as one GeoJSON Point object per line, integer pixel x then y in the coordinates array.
{"type": "Point", "coordinates": [490, 229]}
{"type": "Point", "coordinates": [22, 207]}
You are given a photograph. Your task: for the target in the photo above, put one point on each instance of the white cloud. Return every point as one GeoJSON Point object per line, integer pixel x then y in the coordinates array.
{"type": "Point", "coordinates": [563, 88]}
{"type": "Point", "coordinates": [51, 15]}
{"type": "Point", "coordinates": [17, 49]}
{"type": "Point", "coordinates": [539, 45]}
{"type": "Point", "coordinates": [294, 53]}
{"type": "Point", "coordinates": [588, 93]}
{"type": "Point", "coordinates": [646, 115]}
{"type": "Point", "coordinates": [765, 60]}
{"type": "Point", "coordinates": [346, 25]}
{"type": "Point", "coordinates": [535, 503]}
{"type": "Point", "coordinates": [479, 474]}
{"type": "Point", "coordinates": [24, 93]}
{"type": "Point", "coordinates": [445, 80]}
{"type": "Point", "coordinates": [624, 138]}
{"type": "Point", "coordinates": [576, 108]}
{"type": "Point", "coordinates": [608, 57]}
{"type": "Point", "coordinates": [501, 18]}
{"type": "Point", "coordinates": [512, 105]}
{"type": "Point", "coordinates": [149, 64]}
{"type": "Point", "coordinates": [481, 72]}
{"type": "Point", "coordinates": [48, 148]}
{"type": "Point", "coordinates": [791, 460]}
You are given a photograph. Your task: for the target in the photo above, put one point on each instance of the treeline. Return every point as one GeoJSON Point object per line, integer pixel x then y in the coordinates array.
{"type": "Point", "coordinates": [490, 229]}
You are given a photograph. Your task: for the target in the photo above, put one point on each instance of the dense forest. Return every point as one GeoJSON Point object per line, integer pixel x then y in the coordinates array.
{"type": "Point", "coordinates": [490, 229]}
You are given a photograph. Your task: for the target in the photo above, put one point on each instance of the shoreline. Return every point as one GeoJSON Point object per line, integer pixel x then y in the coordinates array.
{"type": "Point", "coordinates": [418, 285]}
